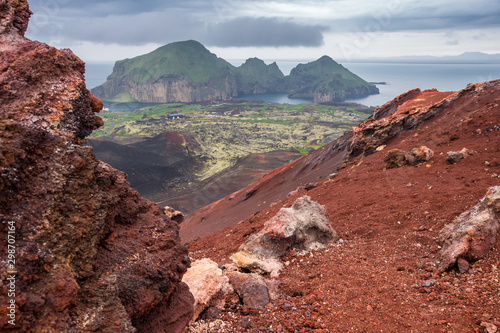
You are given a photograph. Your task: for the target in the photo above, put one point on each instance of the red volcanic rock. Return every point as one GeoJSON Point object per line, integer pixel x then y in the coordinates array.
{"type": "Point", "coordinates": [90, 254]}
{"type": "Point", "coordinates": [392, 106]}
{"type": "Point", "coordinates": [15, 16]}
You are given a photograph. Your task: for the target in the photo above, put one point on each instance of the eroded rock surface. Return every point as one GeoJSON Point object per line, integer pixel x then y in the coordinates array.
{"type": "Point", "coordinates": [90, 254]}
{"type": "Point", "coordinates": [303, 226]}
{"type": "Point", "coordinates": [473, 234]}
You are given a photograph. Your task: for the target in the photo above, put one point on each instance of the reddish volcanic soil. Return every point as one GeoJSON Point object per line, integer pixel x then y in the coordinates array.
{"type": "Point", "coordinates": [383, 277]}
{"type": "Point", "coordinates": [311, 168]}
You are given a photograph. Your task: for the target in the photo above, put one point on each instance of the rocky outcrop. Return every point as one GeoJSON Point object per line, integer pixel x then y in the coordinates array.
{"type": "Point", "coordinates": [410, 110]}
{"type": "Point", "coordinates": [215, 289]}
{"type": "Point", "coordinates": [303, 226]}
{"type": "Point", "coordinates": [401, 114]}
{"type": "Point", "coordinates": [90, 254]}
{"type": "Point", "coordinates": [168, 89]}
{"type": "Point", "coordinates": [473, 234]}
{"type": "Point", "coordinates": [15, 18]}
{"type": "Point", "coordinates": [392, 106]}
{"type": "Point", "coordinates": [325, 94]}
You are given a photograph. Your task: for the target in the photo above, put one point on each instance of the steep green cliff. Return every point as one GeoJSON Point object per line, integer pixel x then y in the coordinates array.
{"type": "Point", "coordinates": [177, 72]}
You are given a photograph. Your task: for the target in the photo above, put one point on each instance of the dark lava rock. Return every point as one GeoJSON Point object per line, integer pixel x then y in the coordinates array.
{"type": "Point", "coordinates": [463, 265]}
{"type": "Point", "coordinates": [455, 156]}
{"type": "Point", "coordinates": [246, 322]}
{"type": "Point", "coordinates": [251, 288]}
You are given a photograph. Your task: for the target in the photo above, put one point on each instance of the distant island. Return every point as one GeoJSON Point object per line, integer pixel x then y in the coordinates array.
{"type": "Point", "coordinates": [188, 72]}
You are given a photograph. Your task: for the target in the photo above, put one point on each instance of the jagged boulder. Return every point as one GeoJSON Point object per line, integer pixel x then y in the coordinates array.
{"type": "Point", "coordinates": [206, 281]}
{"type": "Point", "coordinates": [421, 154]}
{"type": "Point", "coordinates": [473, 233]}
{"type": "Point", "coordinates": [90, 254]}
{"type": "Point", "coordinates": [396, 158]}
{"type": "Point", "coordinates": [303, 226]}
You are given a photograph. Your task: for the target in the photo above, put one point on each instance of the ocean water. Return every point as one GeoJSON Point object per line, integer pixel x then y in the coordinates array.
{"type": "Point", "coordinates": [97, 73]}
{"type": "Point", "coordinates": [398, 77]}
{"type": "Point", "coordinates": [403, 77]}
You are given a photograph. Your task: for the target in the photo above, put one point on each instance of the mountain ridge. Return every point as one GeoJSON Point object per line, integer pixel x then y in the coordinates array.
{"type": "Point", "coordinates": [188, 72]}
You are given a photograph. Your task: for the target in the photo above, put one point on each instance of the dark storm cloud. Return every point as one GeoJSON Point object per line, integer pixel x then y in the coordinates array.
{"type": "Point", "coordinates": [123, 22]}
{"type": "Point", "coordinates": [247, 31]}
{"type": "Point", "coordinates": [227, 23]}
{"type": "Point", "coordinates": [134, 30]}
{"type": "Point", "coordinates": [164, 26]}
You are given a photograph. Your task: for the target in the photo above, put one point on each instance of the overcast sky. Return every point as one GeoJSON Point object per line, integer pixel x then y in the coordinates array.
{"type": "Point", "coordinates": [110, 30]}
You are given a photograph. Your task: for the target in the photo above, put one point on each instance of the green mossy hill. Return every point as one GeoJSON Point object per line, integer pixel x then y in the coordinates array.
{"type": "Point", "coordinates": [177, 72]}
{"type": "Point", "coordinates": [327, 81]}
{"type": "Point", "coordinates": [255, 77]}
{"type": "Point", "coordinates": [190, 59]}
